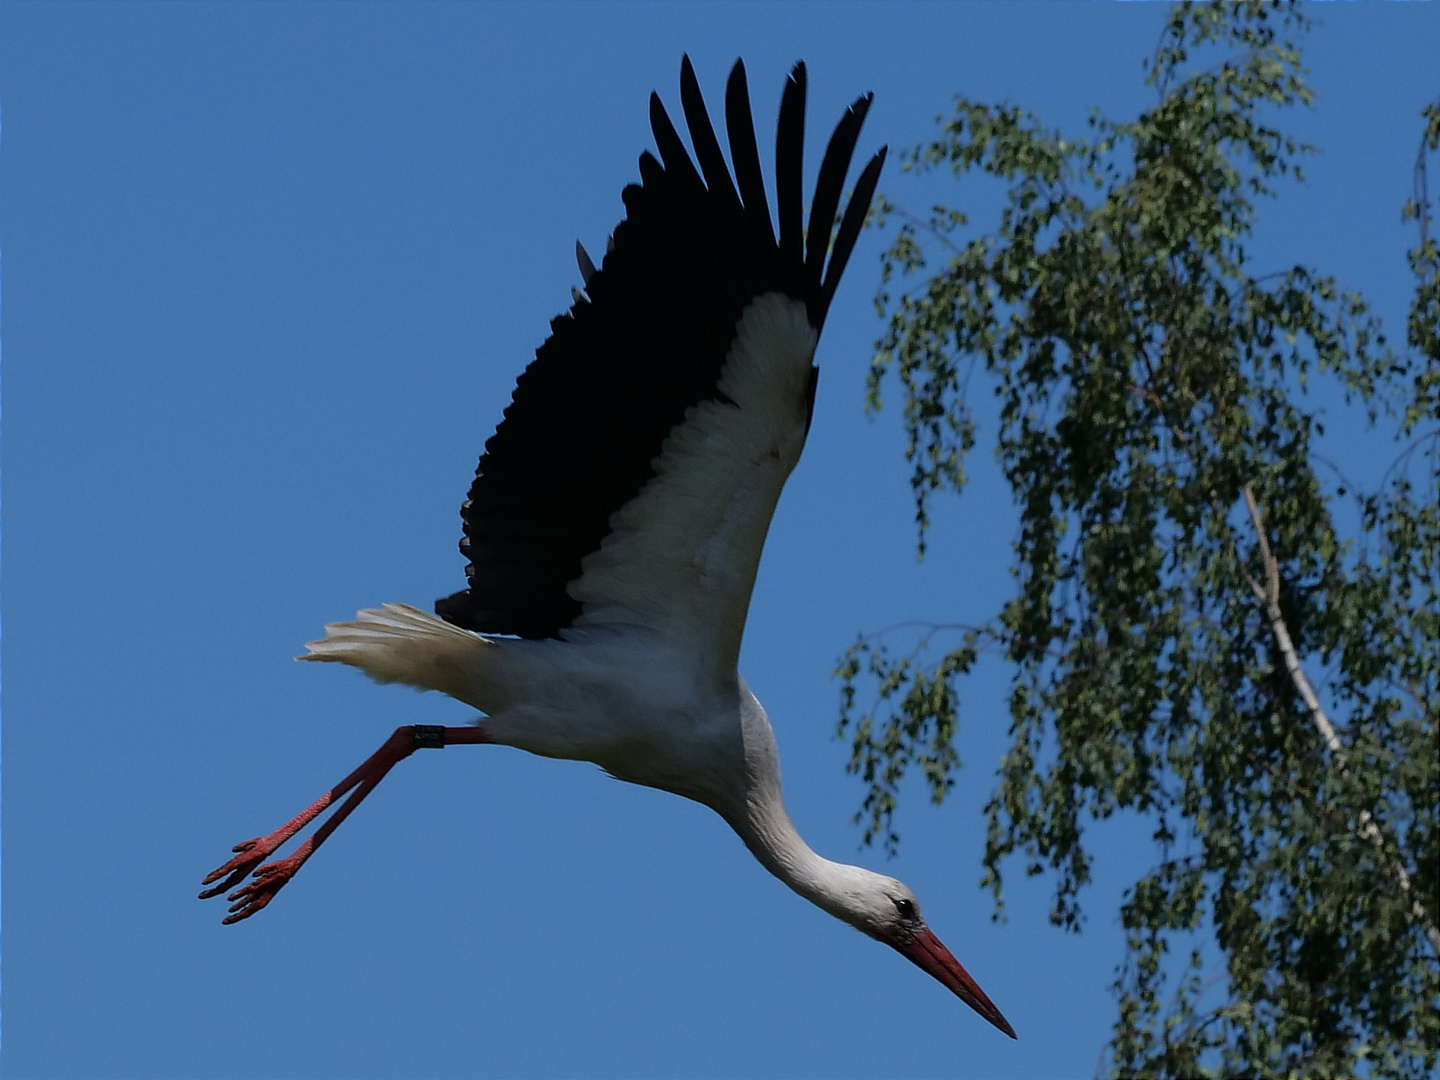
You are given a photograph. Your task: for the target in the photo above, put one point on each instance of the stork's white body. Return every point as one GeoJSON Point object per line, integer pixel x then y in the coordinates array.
{"type": "Point", "coordinates": [638, 707]}
{"type": "Point", "coordinates": [618, 515]}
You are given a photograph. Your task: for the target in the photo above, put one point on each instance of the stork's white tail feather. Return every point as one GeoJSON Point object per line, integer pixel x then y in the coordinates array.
{"type": "Point", "coordinates": [399, 643]}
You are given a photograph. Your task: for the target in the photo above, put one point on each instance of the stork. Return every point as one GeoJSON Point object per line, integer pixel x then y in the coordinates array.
{"type": "Point", "coordinates": [615, 523]}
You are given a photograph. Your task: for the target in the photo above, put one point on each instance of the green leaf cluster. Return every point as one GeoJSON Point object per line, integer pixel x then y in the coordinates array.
{"type": "Point", "coordinates": [1192, 638]}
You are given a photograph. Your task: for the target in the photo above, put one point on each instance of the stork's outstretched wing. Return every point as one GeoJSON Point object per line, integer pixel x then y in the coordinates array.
{"type": "Point", "coordinates": [634, 475]}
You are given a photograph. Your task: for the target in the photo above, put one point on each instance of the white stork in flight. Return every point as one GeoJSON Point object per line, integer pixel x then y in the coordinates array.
{"type": "Point", "coordinates": [617, 516]}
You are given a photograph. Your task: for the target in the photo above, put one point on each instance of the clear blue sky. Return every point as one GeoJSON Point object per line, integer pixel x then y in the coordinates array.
{"type": "Point", "coordinates": [269, 274]}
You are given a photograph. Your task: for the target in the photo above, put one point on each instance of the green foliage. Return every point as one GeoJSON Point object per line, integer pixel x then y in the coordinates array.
{"type": "Point", "coordinates": [1192, 639]}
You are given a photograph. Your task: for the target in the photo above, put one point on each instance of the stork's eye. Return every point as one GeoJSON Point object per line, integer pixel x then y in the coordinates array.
{"type": "Point", "coordinates": [906, 908]}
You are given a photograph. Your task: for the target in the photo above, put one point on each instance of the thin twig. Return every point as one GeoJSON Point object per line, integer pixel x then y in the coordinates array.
{"type": "Point", "coordinates": [1422, 192]}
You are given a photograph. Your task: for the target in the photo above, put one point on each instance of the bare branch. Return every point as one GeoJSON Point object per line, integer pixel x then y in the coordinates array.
{"type": "Point", "coordinates": [1269, 596]}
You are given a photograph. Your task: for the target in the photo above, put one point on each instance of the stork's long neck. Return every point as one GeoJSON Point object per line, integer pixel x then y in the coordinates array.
{"type": "Point", "coordinates": [765, 826]}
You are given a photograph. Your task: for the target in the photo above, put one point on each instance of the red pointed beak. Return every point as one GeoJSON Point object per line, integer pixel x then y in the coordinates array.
{"type": "Point", "coordinates": [928, 953]}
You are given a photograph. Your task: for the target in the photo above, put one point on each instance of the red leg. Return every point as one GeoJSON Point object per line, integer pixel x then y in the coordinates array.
{"type": "Point", "coordinates": [271, 877]}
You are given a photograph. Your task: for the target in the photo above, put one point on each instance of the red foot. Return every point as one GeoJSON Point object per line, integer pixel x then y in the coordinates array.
{"type": "Point", "coordinates": [271, 878]}
{"type": "Point", "coordinates": [252, 853]}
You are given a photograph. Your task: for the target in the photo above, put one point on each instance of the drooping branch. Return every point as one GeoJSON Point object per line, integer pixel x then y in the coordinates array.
{"type": "Point", "coordinates": [1269, 597]}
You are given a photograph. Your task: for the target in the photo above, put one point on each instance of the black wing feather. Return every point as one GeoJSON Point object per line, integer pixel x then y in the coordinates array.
{"type": "Point", "coordinates": [745, 154]}
{"type": "Point", "coordinates": [702, 136]}
{"type": "Point", "coordinates": [618, 373]}
{"type": "Point", "coordinates": [831, 182]}
{"type": "Point", "coordinates": [850, 226]}
{"type": "Point", "coordinates": [672, 150]}
{"type": "Point", "coordinates": [789, 160]}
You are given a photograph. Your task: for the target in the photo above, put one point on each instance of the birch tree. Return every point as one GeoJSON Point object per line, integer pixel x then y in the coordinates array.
{"type": "Point", "coordinates": [1193, 638]}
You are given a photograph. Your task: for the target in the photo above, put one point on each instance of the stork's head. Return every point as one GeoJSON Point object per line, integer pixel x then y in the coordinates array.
{"type": "Point", "coordinates": [888, 911]}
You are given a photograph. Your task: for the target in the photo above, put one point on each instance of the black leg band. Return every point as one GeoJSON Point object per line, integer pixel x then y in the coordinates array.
{"type": "Point", "coordinates": [429, 736]}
